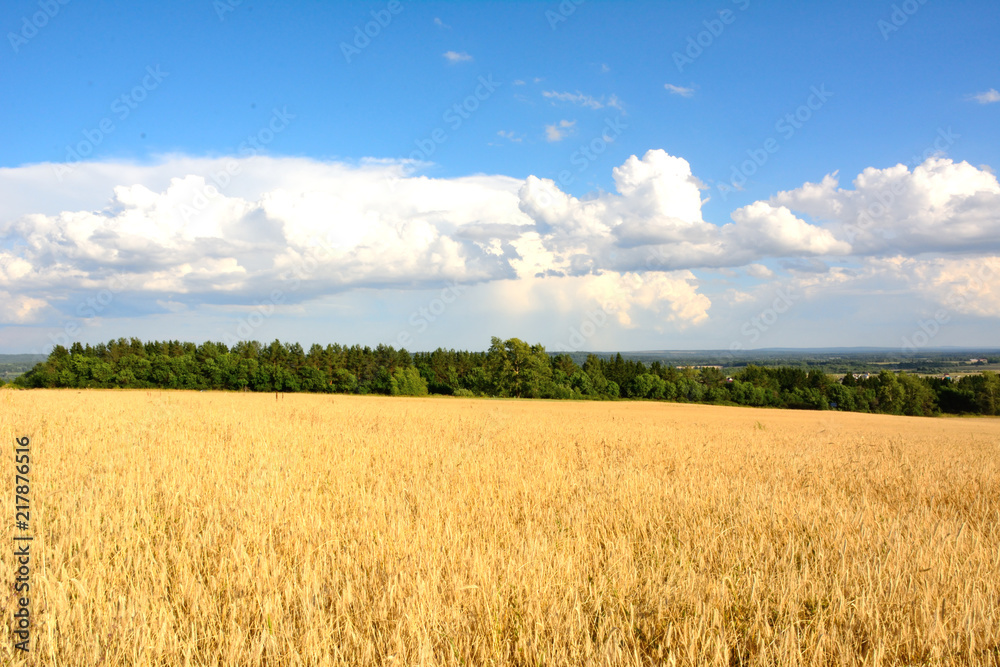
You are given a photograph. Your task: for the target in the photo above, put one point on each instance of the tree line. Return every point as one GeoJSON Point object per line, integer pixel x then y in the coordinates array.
{"type": "Point", "coordinates": [510, 368]}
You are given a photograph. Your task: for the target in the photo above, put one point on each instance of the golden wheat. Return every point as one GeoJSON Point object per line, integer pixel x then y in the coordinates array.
{"type": "Point", "coordinates": [186, 528]}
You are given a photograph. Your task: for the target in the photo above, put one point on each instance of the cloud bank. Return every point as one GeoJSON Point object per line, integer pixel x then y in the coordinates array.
{"type": "Point", "coordinates": [184, 232]}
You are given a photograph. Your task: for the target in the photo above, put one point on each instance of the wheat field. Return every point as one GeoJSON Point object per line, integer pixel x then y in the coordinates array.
{"type": "Point", "coordinates": [199, 528]}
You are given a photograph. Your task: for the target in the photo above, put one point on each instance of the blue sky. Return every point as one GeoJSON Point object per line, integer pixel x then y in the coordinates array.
{"type": "Point", "coordinates": [225, 170]}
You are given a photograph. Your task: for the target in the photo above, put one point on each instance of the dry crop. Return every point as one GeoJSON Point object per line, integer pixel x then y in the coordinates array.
{"type": "Point", "coordinates": [176, 528]}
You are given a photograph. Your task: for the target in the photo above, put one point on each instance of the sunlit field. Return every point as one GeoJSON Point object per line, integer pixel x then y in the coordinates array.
{"type": "Point", "coordinates": [189, 528]}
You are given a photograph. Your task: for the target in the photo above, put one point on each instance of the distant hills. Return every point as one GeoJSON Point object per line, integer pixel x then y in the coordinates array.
{"type": "Point", "coordinates": [22, 358]}
{"type": "Point", "coordinates": [889, 351]}
{"type": "Point", "coordinates": [12, 365]}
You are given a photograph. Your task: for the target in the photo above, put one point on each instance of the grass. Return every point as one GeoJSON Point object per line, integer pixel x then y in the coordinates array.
{"type": "Point", "coordinates": [187, 528]}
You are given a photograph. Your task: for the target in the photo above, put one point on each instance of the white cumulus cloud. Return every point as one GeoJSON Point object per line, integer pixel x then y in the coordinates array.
{"type": "Point", "coordinates": [989, 97]}
{"type": "Point", "coordinates": [655, 222]}
{"type": "Point", "coordinates": [559, 131]}
{"type": "Point", "coordinates": [174, 235]}
{"type": "Point", "coordinates": [679, 90]}
{"type": "Point", "coordinates": [940, 205]}
{"type": "Point", "coordinates": [580, 99]}
{"type": "Point", "coordinates": [457, 57]}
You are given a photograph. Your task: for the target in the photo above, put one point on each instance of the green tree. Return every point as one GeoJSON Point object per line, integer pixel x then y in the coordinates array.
{"type": "Point", "coordinates": [985, 389]}
{"type": "Point", "coordinates": [312, 379]}
{"type": "Point", "coordinates": [384, 383]}
{"type": "Point", "coordinates": [409, 382]}
{"type": "Point", "coordinates": [343, 381]}
{"type": "Point", "coordinates": [67, 378]}
{"type": "Point", "coordinates": [919, 399]}
{"type": "Point", "coordinates": [582, 384]}
{"type": "Point", "coordinates": [517, 369]}
{"type": "Point", "coordinates": [890, 393]}
{"type": "Point", "coordinates": [843, 396]}
{"type": "Point", "coordinates": [104, 374]}
{"type": "Point", "coordinates": [478, 381]}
